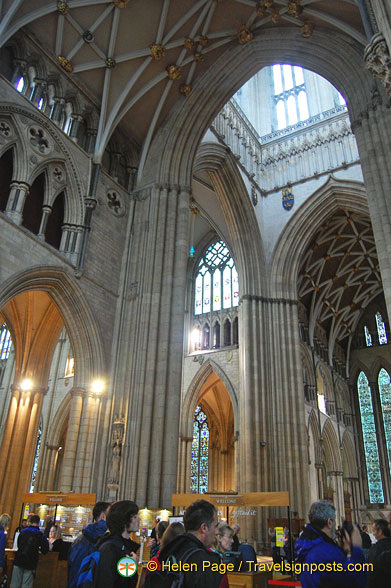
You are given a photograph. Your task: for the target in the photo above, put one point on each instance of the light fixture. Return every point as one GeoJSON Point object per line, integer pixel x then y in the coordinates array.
{"type": "Point", "coordinates": [26, 385]}
{"type": "Point", "coordinates": [97, 386]}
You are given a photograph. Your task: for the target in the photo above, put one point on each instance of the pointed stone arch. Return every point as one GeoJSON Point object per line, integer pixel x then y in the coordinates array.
{"type": "Point", "coordinates": [77, 316]}
{"type": "Point", "coordinates": [170, 159]}
{"type": "Point", "coordinates": [239, 213]}
{"type": "Point", "coordinates": [193, 391]}
{"type": "Point", "coordinates": [348, 454]}
{"type": "Point", "coordinates": [304, 224]}
{"type": "Point", "coordinates": [332, 453]}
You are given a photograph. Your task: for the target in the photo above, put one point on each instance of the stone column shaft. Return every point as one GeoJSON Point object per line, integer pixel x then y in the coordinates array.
{"type": "Point", "coordinates": [70, 450]}
{"type": "Point", "coordinates": [18, 447]}
{"type": "Point", "coordinates": [373, 134]}
{"type": "Point", "coordinates": [18, 194]}
{"type": "Point", "coordinates": [152, 336]}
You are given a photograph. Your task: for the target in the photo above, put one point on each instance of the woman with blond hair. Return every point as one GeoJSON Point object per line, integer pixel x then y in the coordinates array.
{"type": "Point", "coordinates": [224, 538]}
{"type": "Point", "coordinates": [5, 520]}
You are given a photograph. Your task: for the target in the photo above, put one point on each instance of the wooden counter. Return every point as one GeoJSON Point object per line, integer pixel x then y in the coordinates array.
{"type": "Point", "coordinates": [249, 579]}
{"type": "Point", "coordinates": [50, 571]}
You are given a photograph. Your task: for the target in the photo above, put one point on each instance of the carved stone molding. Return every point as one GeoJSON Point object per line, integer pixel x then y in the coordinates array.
{"type": "Point", "coordinates": [378, 60]}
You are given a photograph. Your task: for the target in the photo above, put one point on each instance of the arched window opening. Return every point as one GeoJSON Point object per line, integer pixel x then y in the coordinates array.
{"type": "Point", "coordinates": [5, 342]}
{"type": "Point", "coordinates": [216, 335]}
{"type": "Point", "coordinates": [6, 173]}
{"type": "Point", "coordinates": [36, 459]}
{"type": "Point", "coordinates": [375, 485]}
{"type": "Point", "coordinates": [290, 96]}
{"type": "Point", "coordinates": [68, 117]}
{"type": "Point", "coordinates": [381, 329]}
{"type": "Point", "coordinates": [199, 453]}
{"type": "Point", "coordinates": [385, 400]}
{"type": "Point", "coordinates": [55, 221]}
{"type": "Point", "coordinates": [32, 211]}
{"type": "Point", "coordinates": [227, 332]}
{"type": "Point", "coordinates": [235, 333]}
{"type": "Point", "coordinates": [20, 85]}
{"type": "Point", "coordinates": [206, 337]}
{"type": "Point", "coordinates": [217, 283]}
{"type": "Point", "coordinates": [368, 337]}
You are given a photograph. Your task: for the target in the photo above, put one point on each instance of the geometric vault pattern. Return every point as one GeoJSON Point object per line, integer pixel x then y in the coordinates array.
{"type": "Point", "coordinates": [340, 275]}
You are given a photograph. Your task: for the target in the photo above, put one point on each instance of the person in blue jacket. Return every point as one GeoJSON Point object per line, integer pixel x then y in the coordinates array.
{"type": "Point", "coordinates": [328, 565]}
{"type": "Point", "coordinates": [85, 543]}
{"type": "Point", "coordinates": [4, 524]}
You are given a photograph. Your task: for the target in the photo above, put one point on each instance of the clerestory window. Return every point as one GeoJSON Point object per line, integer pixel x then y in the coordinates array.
{"type": "Point", "coordinates": [216, 284]}
{"type": "Point", "coordinates": [290, 96]}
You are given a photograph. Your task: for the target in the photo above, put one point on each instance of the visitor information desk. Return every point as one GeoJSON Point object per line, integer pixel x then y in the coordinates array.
{"type": "Point", "coordinates": [72, 512]}
{"type": "Point", "coordinates": [226, 504]}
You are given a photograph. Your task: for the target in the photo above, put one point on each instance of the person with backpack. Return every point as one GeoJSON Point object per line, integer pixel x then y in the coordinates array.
{"type": "Point", "coordinates": [84, 544]}
{"type": "Point", "coordinates": [122, 519]}
{"type": "Point", "coordinates": [30, 543]}
{"type": "Point", "coordinates": [191, 547]}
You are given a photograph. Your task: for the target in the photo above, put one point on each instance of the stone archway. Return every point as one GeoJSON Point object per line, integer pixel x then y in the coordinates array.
{"type": "Point", "coordinates": [36, 304]}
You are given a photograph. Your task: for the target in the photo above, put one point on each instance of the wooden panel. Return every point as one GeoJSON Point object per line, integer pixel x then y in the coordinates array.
{"type": "Point", "coordinates": [58, 498]}
{"type": "Point", "coordinates": [46, 570]}
{"type": "Point", "coordinates": [249, 579]}
{"type": "Point", "coordinates": [247, 499]}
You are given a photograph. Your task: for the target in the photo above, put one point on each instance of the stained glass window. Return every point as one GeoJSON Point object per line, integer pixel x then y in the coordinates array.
{"type": "Point", "coordinates": [375, 485]}
{"type": "Point", "coordinates": [36, 459]}
{"type": "Point", "coordinates": [368, 337]}
{"type": "Point", "coordinates": [381, 329]}
{"type": "Point", "coordinates": [20, 84]}
{"type": "Point", "coordinates": [199, 453]}
{"type": "Point", "coordinates": [290, 95]}
{"type": "Point", "coordinates": [5, 342]}
{"type": "Point", "coordinates": [216, 284]}
{"type": "Point", "coordinates": [385, 399]}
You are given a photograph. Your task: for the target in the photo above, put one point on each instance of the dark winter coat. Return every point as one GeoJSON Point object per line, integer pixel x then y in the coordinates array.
{"type": "Point", "coordinates": [199, 578]}
{"type": "Point", "coordinates": [112, 549]}
{"type": "Point", "coordinates": [30, 542]}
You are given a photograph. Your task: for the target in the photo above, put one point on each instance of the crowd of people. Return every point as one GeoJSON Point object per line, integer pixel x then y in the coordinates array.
{"type": "Point", "coordinates": [325, 557]}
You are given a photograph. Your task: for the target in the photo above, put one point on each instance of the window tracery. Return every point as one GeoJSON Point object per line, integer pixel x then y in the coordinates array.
{"type": "Point", "coordinates": [290, 95]}
{"type": "Point", "coordinates": [384, 382]}
{"type": "Point", "coordinates": [375, 485]}
{"type": "Point", "coordinates": [5, 342]}
{"type": "Point", "coordinates": [199, 453]}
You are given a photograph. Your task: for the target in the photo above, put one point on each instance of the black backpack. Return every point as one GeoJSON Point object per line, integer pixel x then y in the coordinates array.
{"type": "Point", "coordinates": [28, 551]}
{"type": "Point", "coordinates": [166, 578]}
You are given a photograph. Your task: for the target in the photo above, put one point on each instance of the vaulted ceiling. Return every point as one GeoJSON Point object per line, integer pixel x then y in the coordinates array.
{"type": "Point", "coordinates": [136, 58]}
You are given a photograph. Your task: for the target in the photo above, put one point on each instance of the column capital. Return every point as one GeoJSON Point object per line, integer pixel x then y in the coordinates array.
{"type": "Point", "coordinates": [378, 60]}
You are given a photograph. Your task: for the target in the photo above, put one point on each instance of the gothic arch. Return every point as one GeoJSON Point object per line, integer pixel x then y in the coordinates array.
{"type": "Point", "coordinates": [78, 319]}
{"type": "Point", "coordinates": [177, 140]}
{"type": "Point", "coordinates": [304, 224]}
{"type": "Point", "coordinates": [314, 429]}
{"type": "Point", "coordinates": [74, 182]}
{"type": "Point", "coordinates": [348, 456]}
{"type": "Point", "coordinates": [191, 396]}
{"type": "Point", "coordinates": [332, 453]}
{"type": "Point", "coordinates": [235, 202]}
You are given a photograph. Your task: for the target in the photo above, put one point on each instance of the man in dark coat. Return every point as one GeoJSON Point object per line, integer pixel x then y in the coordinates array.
{"type": "Point", "coordinates": [200, 520]}
{"type": "Point", "coordinates": [380, 555]}
{"type": "Point", "coordinates": [30, 543]}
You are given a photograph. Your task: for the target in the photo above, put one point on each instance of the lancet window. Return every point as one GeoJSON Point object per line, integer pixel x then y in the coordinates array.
{"type": "Point", "coordinates": [36, 459]}
{"type": "Point", "coordinates": [375, 486]}
{"type": "Point", "coordinates": [5, 342]}
{"type": "Point", "coordinates": [381, 329]}
{"type": "Point", "coordinates": [290, 95]}
{"type": "Point", "coordinates": [385, 401]}
{"type": "Point", "coordinates": [199, 453]}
